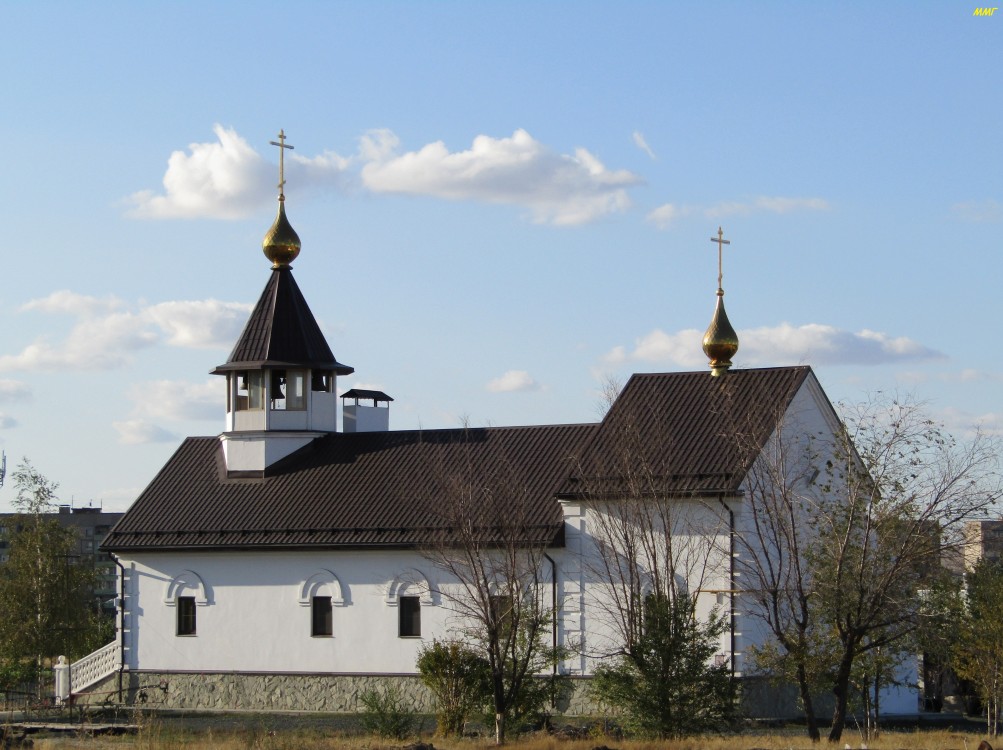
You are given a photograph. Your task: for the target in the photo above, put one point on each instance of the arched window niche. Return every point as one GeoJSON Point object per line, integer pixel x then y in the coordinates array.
{"type": "Point", "coordinates": [323, 583]}
{"type": "Point", "coordinates": [188, 583]}
{"type": "Point", "coordinates": [411, 582]}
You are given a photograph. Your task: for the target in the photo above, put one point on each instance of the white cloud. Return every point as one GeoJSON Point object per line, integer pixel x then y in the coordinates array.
{"type": "Point", "coordinates": [327, 169]}
{"type": "Point", "coordinates": [642, 144]}
{"type": "Point", "coordinates": [965, 425]}
{"type": "Point", "coordinates": [65, 301]}
{"type": "Point", "coordinates": [971, 375]}
{"type": "Point", "coordinates": [7, 422]}
{"type": "Point", "coordinates": [179, 399]}
{"type": "Point", "coordinates": [978, 211]}
{"type": "Point", "coordinates": [199, 324]}
{"type": "Point", "coordinates": [226, 179]}
{"type": "Point", "coordinates": [776, 205]}
{"type": "Point", "coordinates": [378, 145]}
{"type": "Point", "coordinates": [108, 340]}
{"type": "Point", "coordinates": [94, 343]}
{"type": "Point", "coordinates": [137, 432]}
{"type": "Point", "coordinates": [557, 188]}
{"type": "Point", "coordinates": [681, 348]}
{"type": "Point", "coordinates": [780, 205]}
{"type": "Point", "coordinates": [665, 215]}
{"type": "Point", "coordinates": [822, 344]}
{"type": "Point", "coordinates": [14, 390]}
{"type": "Point", "coordinates": [513, 380]}
{"type": "Point", "coordinates": [783, 344]}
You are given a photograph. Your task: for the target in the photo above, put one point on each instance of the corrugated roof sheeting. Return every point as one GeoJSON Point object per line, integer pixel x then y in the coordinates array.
{"type": "Point", "coordinates": [681, 433]}
{"type": "Point", "coordinates": [362, 489]}
{"type": "Point", "coordinates": [684, 433]}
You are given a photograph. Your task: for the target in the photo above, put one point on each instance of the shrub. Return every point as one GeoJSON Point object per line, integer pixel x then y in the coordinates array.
{"type": "Point", "coordinates": [388, 712]}
{"type": "Point", "coordinates": [665, 684]}
{"type": "Point", "coordinates": [458, 678]}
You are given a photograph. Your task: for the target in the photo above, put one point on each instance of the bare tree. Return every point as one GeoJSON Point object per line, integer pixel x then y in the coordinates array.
{"type": "Point", "coordinates": [778, 582]}
{"type": "Point", "coordinates": [492, 550]}
{"type": "Point", "coordinates": [897, 493]}
{"type": "Point", "coordinates": [649, 538]}
{"type": "Point", "coordinates": [847, 528]}
{"type": "Point", "coordinates": [655, 551]}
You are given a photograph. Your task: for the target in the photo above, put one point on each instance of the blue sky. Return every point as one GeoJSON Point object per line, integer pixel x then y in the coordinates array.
{"type": "Point", "coordinates": [501, 205]}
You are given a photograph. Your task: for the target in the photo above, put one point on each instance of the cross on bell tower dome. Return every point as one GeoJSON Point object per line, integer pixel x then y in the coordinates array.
{"type": "Point", "coordinates": [281, 373]}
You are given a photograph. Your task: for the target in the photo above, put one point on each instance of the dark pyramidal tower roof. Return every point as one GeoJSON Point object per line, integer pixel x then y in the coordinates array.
{"type": "Point", "coordinates": [282, 332]}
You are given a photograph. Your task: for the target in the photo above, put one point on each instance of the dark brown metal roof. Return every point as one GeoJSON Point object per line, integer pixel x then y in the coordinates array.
{"type": "Point", "coordinates": [678, 433]}
{"type": "Point", "coordinates": [377, 489]}
{"type": "Point", "coordinates": [684, 433]}
{"type": "Point", "coordinates": [282, 332]}
{"type": "Point", "coordinates": [363, 393]}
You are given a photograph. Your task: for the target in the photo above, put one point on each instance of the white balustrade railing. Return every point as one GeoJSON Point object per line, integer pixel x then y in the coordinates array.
{"type": "Point", "coordinates": [93, 667]}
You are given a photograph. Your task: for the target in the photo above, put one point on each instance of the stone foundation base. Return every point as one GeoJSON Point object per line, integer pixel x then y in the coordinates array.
{"type": "Point", "coordinates": [340, 693]}
{"type": "Point", "coordinates": [243, 691]}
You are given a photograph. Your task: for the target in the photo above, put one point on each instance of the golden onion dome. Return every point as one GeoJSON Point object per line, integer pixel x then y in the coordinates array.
{"type": "Point", "coordinates": [720, 342]}
{"type": "Point", "coordinates": [281, 244]}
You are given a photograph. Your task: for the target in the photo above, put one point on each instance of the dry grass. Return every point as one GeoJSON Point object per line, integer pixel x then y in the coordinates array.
{"type": "Point", "coordinates": [155, 736]}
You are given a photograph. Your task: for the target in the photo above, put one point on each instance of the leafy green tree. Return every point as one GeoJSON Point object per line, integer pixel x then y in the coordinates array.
{"type": "Point", "coordinates": [665, 682]}
{"type": "Point", "coordinates": [941, 608]}
{"type": "Point", "coordinates": [460, 680]}
{"type": "Point", "coordinates": [44, 595]}
{"type": "Point", "coordinates": [978, 655]}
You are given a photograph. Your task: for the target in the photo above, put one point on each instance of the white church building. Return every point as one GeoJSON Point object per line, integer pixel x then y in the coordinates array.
{"type": "Point", "coordinates": [283, 564]}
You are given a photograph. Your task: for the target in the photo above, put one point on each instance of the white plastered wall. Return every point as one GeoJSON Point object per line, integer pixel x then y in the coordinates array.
{"type": "Point", "coordinates": [589, 616]}
{"type": "Point", "coordinates": [252, 614]}
{"type": "Point", "coordinates": [809, 417]}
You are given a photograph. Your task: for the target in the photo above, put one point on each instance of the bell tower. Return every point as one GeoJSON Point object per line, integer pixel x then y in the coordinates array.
{"type": "Point", "coordinates": [281, 374]}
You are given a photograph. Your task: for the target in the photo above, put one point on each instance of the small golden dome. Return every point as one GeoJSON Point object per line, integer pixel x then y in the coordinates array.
{"type": "Point", "coordinates": [281, 244]}
{"type": "Point", "coordinates": [720, 342]}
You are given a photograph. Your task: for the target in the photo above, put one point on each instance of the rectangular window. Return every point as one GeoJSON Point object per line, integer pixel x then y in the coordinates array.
{"type": "Point", "coordinates": [322, 620]}
{"type": "Point", "coordinates": [410, 616]}
{"type": "Point", "coordinates": [501, 611]}
{"type": "Point", "coordinates": [288, 390]}
{"type": "Point", "coordinates": [320, 381]}
{"type": "Point", "coordinates": [295, 390]}
{"type": "Point", "coordinates": [186, 615]}
{"type": "Point", "coordinates": [255, 389]}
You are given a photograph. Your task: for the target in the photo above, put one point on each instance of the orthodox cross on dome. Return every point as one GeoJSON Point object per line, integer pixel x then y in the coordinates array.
{"type": "Point", "coordinates": [282, 161]}
{"type": "Point", "coordinates": [721, 242]}
{"type": "Point", "coordinates": [720, 342]}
